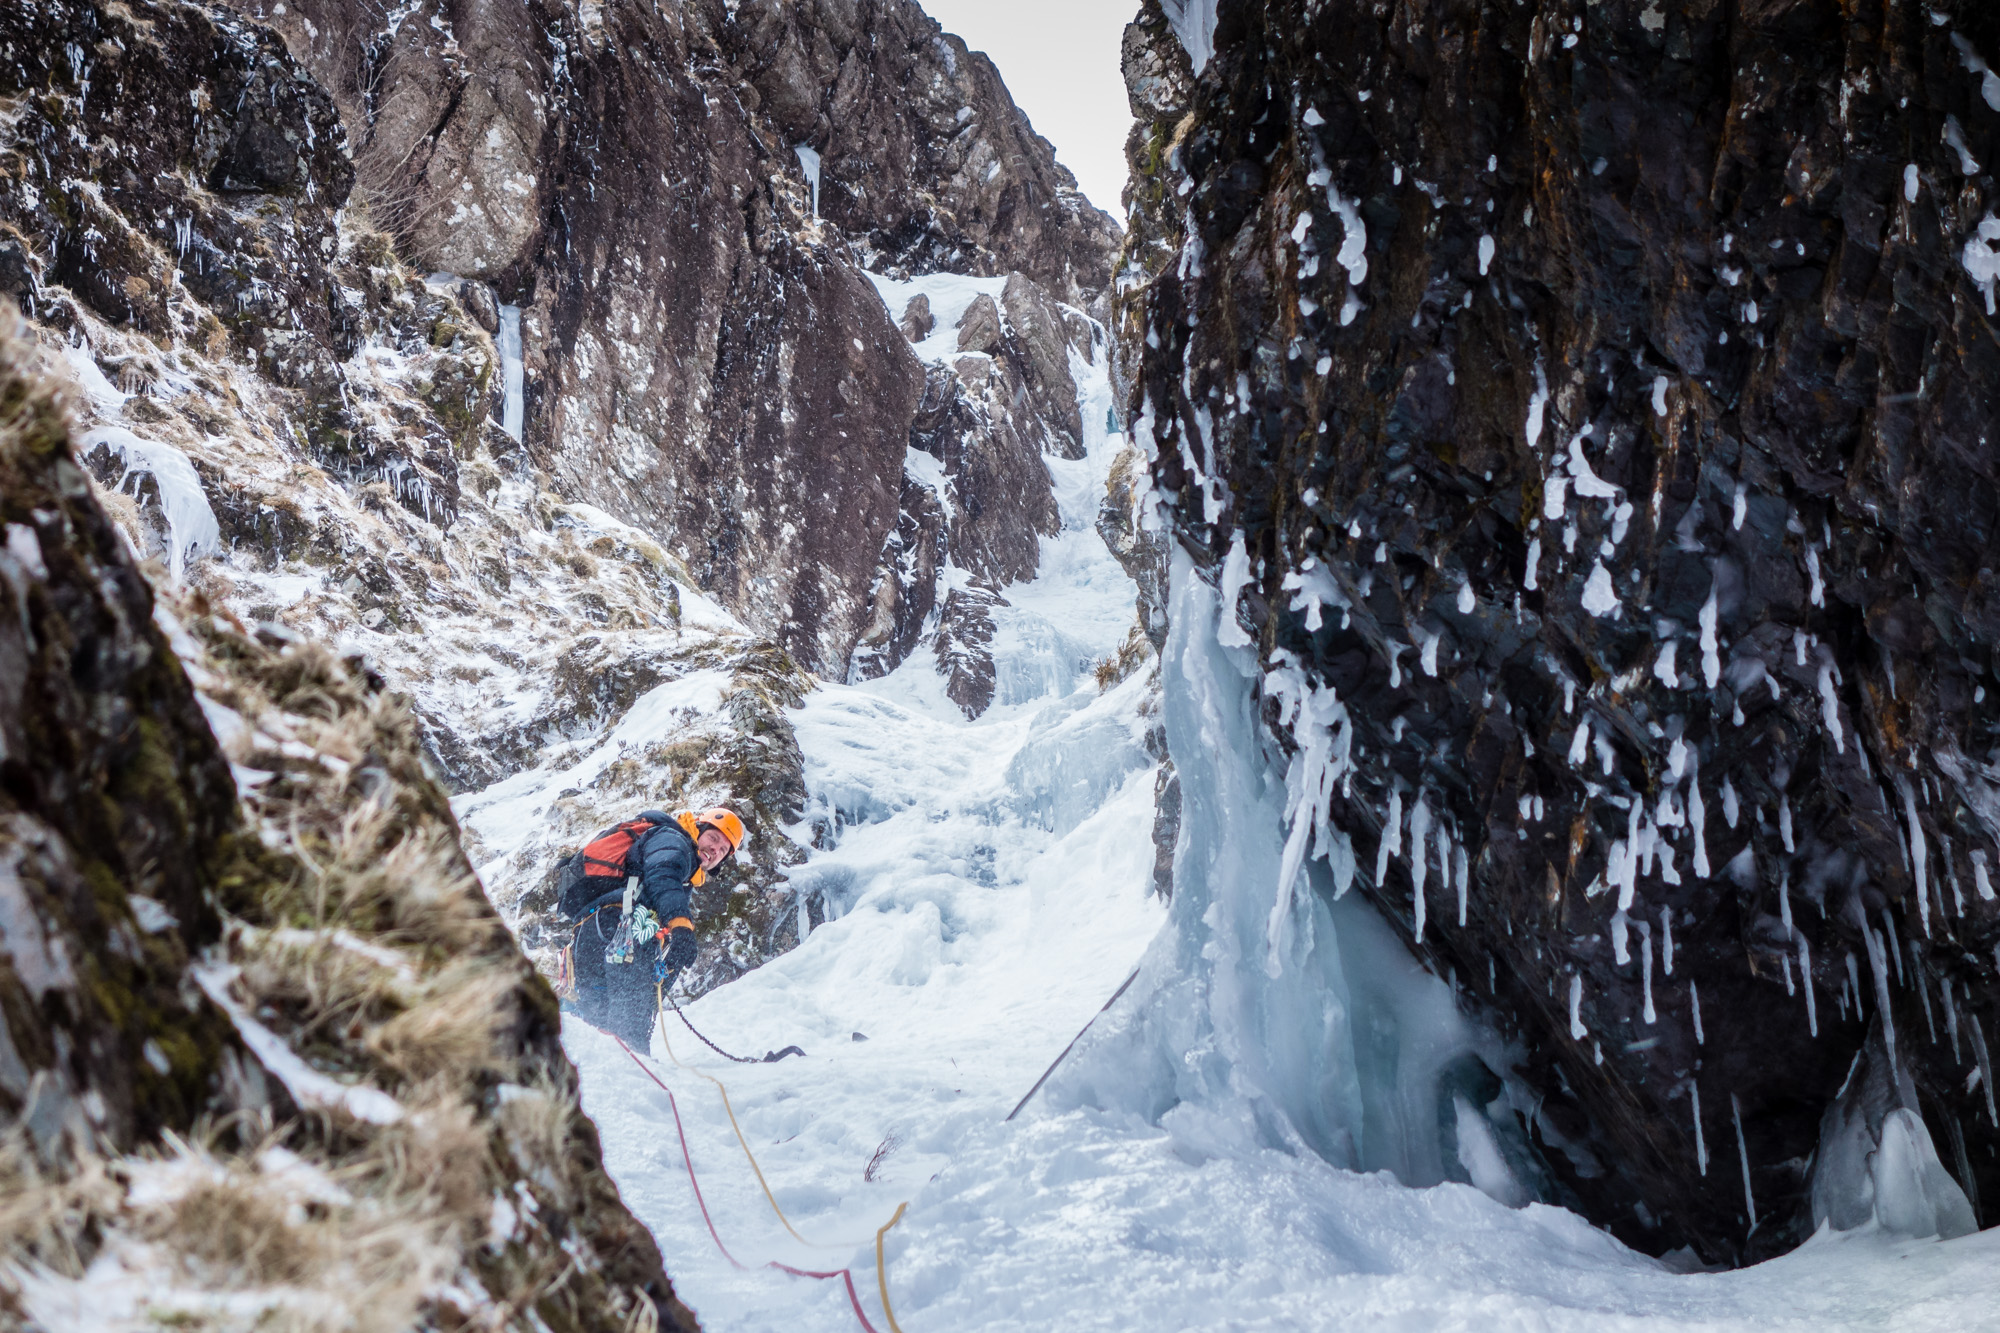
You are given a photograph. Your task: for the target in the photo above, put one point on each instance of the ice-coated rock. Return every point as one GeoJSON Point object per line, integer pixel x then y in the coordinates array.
{"type": "Point", "coordinates": [1633, 420]}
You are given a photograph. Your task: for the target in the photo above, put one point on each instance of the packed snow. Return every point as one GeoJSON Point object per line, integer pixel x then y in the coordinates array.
{"type": "Point", "coordinates": [950, 297]}
{"type": "Point", "coordinates": [1219, 1150]}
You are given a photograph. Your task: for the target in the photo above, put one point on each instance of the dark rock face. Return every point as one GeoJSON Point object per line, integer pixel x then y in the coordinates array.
{"type": "Point", "coordinates": [116, 812]}
{"type": "Point", "coordinates": [923, 153]}
{"type": "Point", "coordinates": [183, 178]}
{"type": "Point", "coordinates": [905, 591]}
{"type": "Point", "coordinates": [964, 647]}
{"type": "Point", "coordinates": [1604, 400]}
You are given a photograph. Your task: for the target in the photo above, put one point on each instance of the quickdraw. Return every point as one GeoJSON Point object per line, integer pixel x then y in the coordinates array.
{"type": "Point", "coordinates": [638, 925]}
{"type": "Point", "coordinates": [565, 983]}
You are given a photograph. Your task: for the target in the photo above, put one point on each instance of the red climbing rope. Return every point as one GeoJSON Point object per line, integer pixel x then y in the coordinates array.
{"type": "Point", "coordinates": [845, 1275]}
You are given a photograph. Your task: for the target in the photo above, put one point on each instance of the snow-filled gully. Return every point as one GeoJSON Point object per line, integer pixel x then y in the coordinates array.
{"type": "Point", "coordinates": [1219, 1152]}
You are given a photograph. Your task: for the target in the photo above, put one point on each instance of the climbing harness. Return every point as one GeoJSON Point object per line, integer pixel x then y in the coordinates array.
{"type": "Point", "coordinates": [1072, 1045]}
{"type": "Point", "coordinates": [846, 1275]}
{"type": "Point", "coordinates": [768, 1058]}
{"type": "Point", "coordinates": [637, 925]}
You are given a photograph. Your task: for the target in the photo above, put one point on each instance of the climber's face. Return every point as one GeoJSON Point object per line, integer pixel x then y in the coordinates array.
{"type": "Point", "coordinates": [713, 848]}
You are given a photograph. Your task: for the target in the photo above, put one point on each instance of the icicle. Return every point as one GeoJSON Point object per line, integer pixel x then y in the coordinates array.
{"type": "Point", "coordinates": [1444, 859]}
{"type": "Point", "coordinates": [1646, 968]}
{"type": "Point", "coordinates": [1854, 981]}
{"type": "Point", "coordinates": [1730, 808]}
{"type": "Point", "coordinates": [1985, 1057]}
{"type": "Point", "coordinates": [1919, 851]}
{"type": "Point", "coordinates": [1626, 867]}
{"type": "Point", "coordinates": [1711, 658]}
{"type": "Point", "coordinates": [1462, 872]}
{"type": "Point", "coordinates": [1530, 580]}
{"type": "Point", "coordinates": [1785, 961]}
{"type": "Point", "coordinates": [1923, 993]}
{"type": "Point", "coordinates": [1879, 966]}
{"type": "Point", "coordinates": [1950, 1018]}
{"type": "Point", "coordinates": [1663, 667]}
{"type": "Point", "coordinates": [1698, 819]}
{"type": "Point", "coordinates": [1392, 837]}
{"type": "Point", "coordinates": [1806, 981]}
{"type": "Point", "coordinates": [1555, 497]}
{"type": "Point", "coordinates": [1785, 823]}
{"type": "Point", "coordinates": [1981, 881]}
{"type": "Point", "coordinates": [1579, 748]}
{"type": "Point", "coordinates": [1830, 707]}
{"type": "Point", "coordinates": [1951, 875]}
{"type": "Point", "coordinates": [1743, 1149]}
{"type": "Point", "coordinates": [1694, 1003]}
{"type": "Point", "coordinates": [1420, 861]}
{"type": "Point", "coordinates": [1700, 1143]}
{"type": "Point", "coordinates": [1577, 1030]}
{"type": "Point", "coordinates": [1895, 945]}
{"type": "Point", "coordinates": [1785, 902]}
{"type": "Point", "coordinates": [513, 379]}
{"type": "Point", "coordinates": [1667, 938]}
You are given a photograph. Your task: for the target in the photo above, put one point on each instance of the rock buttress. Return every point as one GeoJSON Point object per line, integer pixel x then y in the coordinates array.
{"type": "Point", "coordinates": [255, 1053]}
{"type": "Point", "coordinates": [1603, 398]}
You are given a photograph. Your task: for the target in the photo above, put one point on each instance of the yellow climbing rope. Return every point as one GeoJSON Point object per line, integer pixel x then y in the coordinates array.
{"type": "Point", "coordinates": [882, 1268]}
{"type": "Point", "coordinates": [881, 1262]}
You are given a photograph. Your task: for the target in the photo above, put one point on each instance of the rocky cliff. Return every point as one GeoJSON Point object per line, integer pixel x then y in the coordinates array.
{"type": "Point", "coordinates": [681, 199]}
{"type": "Point", "coordinates": [499, 360]}
{"type": "Point", "coordinates": [624, 433]}
{"type": "Point", "coordinates": [1587, 411]}
{"type": "Point", "coordinates": [266, 1052]}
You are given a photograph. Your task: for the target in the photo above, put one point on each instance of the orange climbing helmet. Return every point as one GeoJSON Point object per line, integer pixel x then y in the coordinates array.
{"type": "Point", "coordinates": [726, 822]}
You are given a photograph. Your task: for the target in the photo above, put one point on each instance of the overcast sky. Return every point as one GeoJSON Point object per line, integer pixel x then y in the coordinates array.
{"type": "Point", "coordinates": [1060, 60]}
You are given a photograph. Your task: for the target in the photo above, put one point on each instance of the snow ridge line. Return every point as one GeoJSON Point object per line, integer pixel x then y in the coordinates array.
{"type": "Point", "coordinates": [846, 1275]}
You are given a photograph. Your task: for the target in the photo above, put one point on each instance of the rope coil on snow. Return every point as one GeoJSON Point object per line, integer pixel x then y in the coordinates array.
{"type": "Point", "coordinates": [846, 1275]}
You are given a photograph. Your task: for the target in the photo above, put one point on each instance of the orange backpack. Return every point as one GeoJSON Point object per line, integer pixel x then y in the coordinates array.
{"type": "Point", "coordinates": [603, 865]}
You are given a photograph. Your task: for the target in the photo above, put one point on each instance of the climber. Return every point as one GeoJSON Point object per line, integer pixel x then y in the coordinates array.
{"type": "Point", "coordinates": [631, 893]}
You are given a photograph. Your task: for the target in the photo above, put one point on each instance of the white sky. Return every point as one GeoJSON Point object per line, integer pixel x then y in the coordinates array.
{"type": "Point", "coordinates": [1060, 60]}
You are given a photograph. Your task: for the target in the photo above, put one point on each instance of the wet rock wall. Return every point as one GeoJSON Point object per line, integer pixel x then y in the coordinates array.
{"type": "Point", "coordinates": [1599, 398]}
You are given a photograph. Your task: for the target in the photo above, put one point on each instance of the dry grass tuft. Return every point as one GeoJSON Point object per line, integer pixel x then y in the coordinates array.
{"type": "Point", "coordinates": [454, 1031]}
{"type": "Point", "coordinates": [1132, 654]}
{"type": "Point", "coordinates": [48, 1218]}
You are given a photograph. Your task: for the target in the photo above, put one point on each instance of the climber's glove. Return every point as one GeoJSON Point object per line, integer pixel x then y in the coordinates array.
{"type": "Point", "coordinates": [680, 945]}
